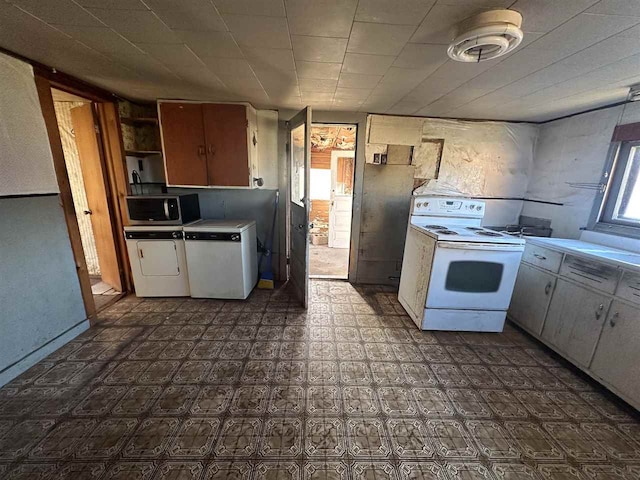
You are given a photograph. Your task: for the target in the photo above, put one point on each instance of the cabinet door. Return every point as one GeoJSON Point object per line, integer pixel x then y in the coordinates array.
{"type": "Point", "coordinates": [416, 269]}
{"type": "Point", "coordinates": [227, 150]}
{"type": "Point", "coordinates": [531, 296]}
{"type": "Point", "coordinates": [575, 320]}
{"type": "Point", "coordinates": [617, 357]}
{"type": "Point", "coordinates": [183, 143]}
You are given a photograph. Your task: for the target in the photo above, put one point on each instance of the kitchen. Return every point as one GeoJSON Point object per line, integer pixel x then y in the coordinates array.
{"type": "Point", "coordinates": [452, 347]}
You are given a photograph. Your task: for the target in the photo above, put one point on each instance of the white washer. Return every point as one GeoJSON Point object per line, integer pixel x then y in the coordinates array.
{"type": "Point", "coordinates": [223, 258]}
{"type": "Point", "coordinates": [158, 260]}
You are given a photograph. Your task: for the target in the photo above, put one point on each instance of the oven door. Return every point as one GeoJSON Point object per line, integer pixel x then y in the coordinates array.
{"type": "Point", "coordinates": [473, 276]}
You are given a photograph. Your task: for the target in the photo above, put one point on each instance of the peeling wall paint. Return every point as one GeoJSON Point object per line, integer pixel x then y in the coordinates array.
{"type": "Point", "coordinates": [479, 159]}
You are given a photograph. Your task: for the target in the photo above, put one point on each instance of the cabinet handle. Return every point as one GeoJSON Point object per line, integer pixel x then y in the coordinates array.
{"type": "Point", "coordinates": [141, 254]}
{"type": "Point", "coordinates": [599, 311]}
{"type": "Point", "coordinates": [212, 150]}
{"type": "Point", "coordinates": [547, 288]}
{"type": "Point", "coordinates": [539, 257]}
{"type": "Point", "coordinates": [614, 319]}
{"type": "Point", "coordinates": [201, 150]}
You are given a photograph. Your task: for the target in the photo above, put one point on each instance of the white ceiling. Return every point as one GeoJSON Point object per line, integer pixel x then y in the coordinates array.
{"type": "Point", "coordinates": [379, 56]}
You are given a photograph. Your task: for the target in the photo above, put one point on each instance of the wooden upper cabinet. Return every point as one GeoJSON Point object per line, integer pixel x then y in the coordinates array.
{"type": "Point", "coordinates": [208, 144]}
{"type": "Point", "coordinates": [226, 139]}
{"type": "Point", "coordinates": [183, 143]}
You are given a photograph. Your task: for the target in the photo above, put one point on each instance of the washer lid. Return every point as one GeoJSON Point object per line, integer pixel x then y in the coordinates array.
{"type": "Point", "coordinates": [229, 226]}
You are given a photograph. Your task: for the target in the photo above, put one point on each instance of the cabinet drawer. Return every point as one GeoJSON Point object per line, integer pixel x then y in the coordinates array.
{"type": "Point", "coordinates": [629, 287]}
{"type": "Point", "coordinates": [542, 257]}
{"type": "Point", "coordinates": [594, 274]}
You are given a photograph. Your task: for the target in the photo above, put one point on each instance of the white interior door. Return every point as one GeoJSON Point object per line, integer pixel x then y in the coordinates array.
{"type": "Point", "coordinates": [342, 164]}
{"type": "Point", "coordinates": [299, 167]}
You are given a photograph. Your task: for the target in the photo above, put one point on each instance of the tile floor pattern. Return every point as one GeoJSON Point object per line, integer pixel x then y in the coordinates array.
{"type": "Point", "coordinates": [204, 389]}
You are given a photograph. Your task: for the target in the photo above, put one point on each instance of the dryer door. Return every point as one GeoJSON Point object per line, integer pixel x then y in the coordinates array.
{"type": "Point", "coordinates": [158, 258]}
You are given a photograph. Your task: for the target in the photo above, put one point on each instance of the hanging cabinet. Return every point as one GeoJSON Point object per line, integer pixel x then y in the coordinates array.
{"type": "Point", "coordinates": [209, 144]}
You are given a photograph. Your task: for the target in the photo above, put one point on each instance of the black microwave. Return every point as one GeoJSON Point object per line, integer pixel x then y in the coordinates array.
{"type": "Point", "coordinates": [163, 209]}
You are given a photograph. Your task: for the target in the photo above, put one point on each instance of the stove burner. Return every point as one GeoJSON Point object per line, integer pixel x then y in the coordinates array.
{"type": "Point", "coordinates": [446, 232]}
{"type": "Point", "coordinates": [489, 234]}
{"type": "Point", "coordinates": [475, 229]}
{"type": "Point", "coordinates": [435, 227]}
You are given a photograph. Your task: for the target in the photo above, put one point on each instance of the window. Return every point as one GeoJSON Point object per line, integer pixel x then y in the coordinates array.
{"type": "Point", "coordinates": [622, 203]}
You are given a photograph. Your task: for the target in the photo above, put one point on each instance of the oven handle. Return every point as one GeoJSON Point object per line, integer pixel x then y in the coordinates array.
{"type": "Point", "coordinates": [496, 247]}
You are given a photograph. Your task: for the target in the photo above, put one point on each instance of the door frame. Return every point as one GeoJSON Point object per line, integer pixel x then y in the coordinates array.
{"type": "Point", "coordinates": [113, 157]}
{"type": "Point", "coordinates": [358, 177]}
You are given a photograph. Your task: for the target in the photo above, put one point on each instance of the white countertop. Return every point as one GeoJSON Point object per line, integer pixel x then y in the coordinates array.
{"type": "Point", "coordinates": [613, 256]}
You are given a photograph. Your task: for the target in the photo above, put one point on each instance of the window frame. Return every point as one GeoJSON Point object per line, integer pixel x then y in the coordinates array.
{"type": "Point", "coordinates": [604, 205]}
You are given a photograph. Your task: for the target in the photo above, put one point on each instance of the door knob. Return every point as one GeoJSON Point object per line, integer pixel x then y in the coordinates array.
{"type": "Point", "coordinates": [614, 319]}
{"type": "Point", "coordinates": [547, 289]}
{"type": "Point", "coordinates": [311, 225]}
{"type": "Point", "coordinates": [88, 212]}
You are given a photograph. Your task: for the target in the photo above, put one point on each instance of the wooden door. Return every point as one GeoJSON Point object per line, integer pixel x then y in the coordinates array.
{"type": "Point", "coordinates": [95, 185]}
{"type": "Point", "coordinates": [530, 299]}
{"type": "Point", "coordinates": [183, 143]}
{"type": "Point", "coordinates": [341, 201]}
{"type": "Point", "coordinates": [299, 167]}
{"type": "Point", "coordinates": [225, 131]}
{"type": "Point", "coordinates": [617, 357]}
{"type": "Point", "coordinates": [575, 320]}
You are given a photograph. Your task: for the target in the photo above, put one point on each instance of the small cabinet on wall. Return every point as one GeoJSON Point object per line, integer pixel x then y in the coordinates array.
{"type": "Point", "coordinates": [209, 144]}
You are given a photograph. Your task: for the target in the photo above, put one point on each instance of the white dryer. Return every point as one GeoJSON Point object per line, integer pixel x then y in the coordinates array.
{"type": "Point", "coordinates": [222, 256]}
{"type": "Point", "coordinates": [158, 260]}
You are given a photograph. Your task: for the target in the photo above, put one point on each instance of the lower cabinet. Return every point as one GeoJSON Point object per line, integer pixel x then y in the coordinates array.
{"type": "Point", "coordinates": [617, 358]}
{"type": "Point", "coordinates": [531, 296]}
{"type": "Point", "coordinates": [585, 310]}
{"type": "Point", "coordinates": [574, 321]}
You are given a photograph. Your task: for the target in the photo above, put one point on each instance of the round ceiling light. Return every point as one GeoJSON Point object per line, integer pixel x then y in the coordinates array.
{"type": "Point", "coordinates": [486, 35]}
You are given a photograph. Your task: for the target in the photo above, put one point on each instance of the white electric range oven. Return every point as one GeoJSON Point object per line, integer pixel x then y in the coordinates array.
{"type": "Point", "coordinates": [456, 275]}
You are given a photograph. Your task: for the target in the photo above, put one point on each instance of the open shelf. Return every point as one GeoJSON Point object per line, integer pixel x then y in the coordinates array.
{"type": "Point", "coordinates": [142, 153]}
{"type": "Point", "coordinates": [139, 120]}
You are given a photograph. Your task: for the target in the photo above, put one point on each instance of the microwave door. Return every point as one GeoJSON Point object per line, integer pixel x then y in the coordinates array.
{"type": "Point", "coordinates": [153, 209]}
{"type": "Point", "coordinates": [478, 277]}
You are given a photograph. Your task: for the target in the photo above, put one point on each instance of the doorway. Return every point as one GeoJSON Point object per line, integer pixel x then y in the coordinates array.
{"type": "Point", "coordinates": [331, 183]}
{"type": "Point", "coordinates": [81, 144]}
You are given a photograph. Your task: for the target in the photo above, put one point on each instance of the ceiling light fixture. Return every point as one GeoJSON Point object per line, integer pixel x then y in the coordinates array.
{"type": "Point", "coordinates": [486, 36]}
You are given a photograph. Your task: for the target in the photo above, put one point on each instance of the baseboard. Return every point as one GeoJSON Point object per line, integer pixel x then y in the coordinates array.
{"type": "Point", "coordinates": [48, 348]}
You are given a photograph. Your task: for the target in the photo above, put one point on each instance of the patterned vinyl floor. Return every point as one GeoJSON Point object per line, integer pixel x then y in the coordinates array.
{"type": "Point", "coordinates": [203, 389]}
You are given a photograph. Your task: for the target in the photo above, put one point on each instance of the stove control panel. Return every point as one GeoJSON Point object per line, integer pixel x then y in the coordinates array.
{"type": "Point", "coordinates": [448, 206]}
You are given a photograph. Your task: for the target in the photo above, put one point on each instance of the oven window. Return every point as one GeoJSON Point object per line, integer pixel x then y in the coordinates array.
{"type": "Point", "coordinates": [474, 277]}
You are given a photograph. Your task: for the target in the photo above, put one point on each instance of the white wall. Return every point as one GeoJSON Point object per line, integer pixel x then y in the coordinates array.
{"type": "Point", "coordinates": [572, 150]}
{"type": "Point", "coordinates": [25, 154]}
{"type": "Point", "coordinates": [42, 306]}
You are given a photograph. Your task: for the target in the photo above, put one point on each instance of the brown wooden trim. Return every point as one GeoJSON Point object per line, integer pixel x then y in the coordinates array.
{"type": "Point", "coordinates": [116, 167]}
{"type": "Point", "coordinates": [626, 133]}
{"type": "Point", "coordinates": [43, 86]}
